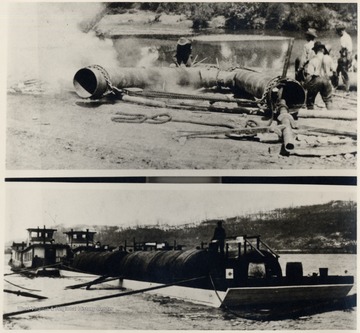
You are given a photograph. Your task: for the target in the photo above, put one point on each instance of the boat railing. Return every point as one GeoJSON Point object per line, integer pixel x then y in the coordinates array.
{"type": "Point", "coordinates": [256, 248]}
{"type": "Point", "coordinates": [245, 243]}
{"type": "Point", "coordinates": [270, 249]}
{"type": "Point", "coordinates": [150, 246]}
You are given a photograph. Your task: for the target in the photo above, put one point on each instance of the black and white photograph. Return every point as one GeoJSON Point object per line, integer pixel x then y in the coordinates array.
{"type": "Point", "coordinates": [180, 257]}
{"type": "Point", "coordinates": [181, 85]}
{"type": "Point", "coordinates": [179, 165]}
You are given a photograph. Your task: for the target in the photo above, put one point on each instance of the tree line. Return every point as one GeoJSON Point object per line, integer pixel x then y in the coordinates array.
{"type": "Point", "coordinates": [253, 15]}
{"type": "Point", "coordinates": [329, 227]}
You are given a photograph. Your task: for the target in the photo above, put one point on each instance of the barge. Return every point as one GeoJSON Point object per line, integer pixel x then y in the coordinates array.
{"type": "Point", "coordinates": [246, 275]}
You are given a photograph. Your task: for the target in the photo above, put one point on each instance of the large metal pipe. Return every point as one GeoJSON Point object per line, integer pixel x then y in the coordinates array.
{"type": "Point", "coordinates": [94, 81]}
{"type": "Point", "coordinates": [286, 119]}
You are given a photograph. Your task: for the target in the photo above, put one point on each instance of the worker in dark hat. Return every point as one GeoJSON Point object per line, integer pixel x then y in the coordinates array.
{"type": "Point", "coordinates": [183, 52]}
{"type": "Point", "coordinates": [317, 78]}
{"type": "Point", "coordinates": [307, 54]}
{"type": "Point", "coordinates": [345, 59]}
{"type": "Point", "coordinates": [219, 237]}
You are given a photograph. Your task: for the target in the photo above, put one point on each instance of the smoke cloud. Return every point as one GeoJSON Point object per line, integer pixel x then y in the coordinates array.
{"type": "Point", "coordinates": [51, 41]}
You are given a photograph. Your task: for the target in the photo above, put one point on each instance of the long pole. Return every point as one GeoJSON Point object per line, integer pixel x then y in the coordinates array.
{"type": "Point", "coordinates": [287, 58]}
{"type": "Point", "coordinates": [25, 294]}
{"type": "Point", "coordinates": [133, 292]}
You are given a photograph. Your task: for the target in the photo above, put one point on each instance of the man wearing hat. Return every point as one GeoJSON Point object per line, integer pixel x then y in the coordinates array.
{"type": "Point", "coordinates": [183, 52]}
{"type": "Point", "coordinates": [318, 72]}
{"type": "Point", "coordinates": [307, 54]}
{"type": "Point", "coordinates": [345, 60]}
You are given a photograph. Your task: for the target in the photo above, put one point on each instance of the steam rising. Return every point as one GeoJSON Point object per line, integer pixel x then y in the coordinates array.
{"type": "Point", "coordinates": [51, 41]}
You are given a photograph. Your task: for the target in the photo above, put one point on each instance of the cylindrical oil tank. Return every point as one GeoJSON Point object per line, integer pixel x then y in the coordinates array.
{"type": "Point", "coordinates": [101, 263]}
{"type": "Point", "coordinates": [160, 266]}
{"type": "Point", "coordinates": [169, 266]}
{"type": "Point", "coordinates": [194, 263]}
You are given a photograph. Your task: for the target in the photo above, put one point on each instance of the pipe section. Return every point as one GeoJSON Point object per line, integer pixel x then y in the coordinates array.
{"type": "Point", "coordinates": [286, 119]}
{"type": "Point", "coordinates": [94, 81]}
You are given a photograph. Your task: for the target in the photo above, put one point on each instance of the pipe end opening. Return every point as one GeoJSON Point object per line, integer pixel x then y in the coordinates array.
{"type": "Point", "coordinates": [85, 83]}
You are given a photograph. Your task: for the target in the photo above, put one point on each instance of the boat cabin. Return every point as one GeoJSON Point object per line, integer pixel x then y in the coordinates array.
{"type": "Point", "coordinates": [77, 238]}
{"type": "Point", "coordinates": [40, 236]}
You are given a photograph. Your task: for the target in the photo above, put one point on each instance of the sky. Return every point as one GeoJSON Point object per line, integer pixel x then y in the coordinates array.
{"type": "Point", "coordinates": [32, 205]}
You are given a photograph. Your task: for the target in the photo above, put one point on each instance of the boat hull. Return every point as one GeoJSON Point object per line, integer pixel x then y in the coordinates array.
{"type": "Point", "coordinates": [247, 296]}
{"type": "Point", "coordinates": [255, 296]}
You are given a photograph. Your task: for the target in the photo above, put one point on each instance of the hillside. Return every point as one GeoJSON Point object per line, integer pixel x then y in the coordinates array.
{"type": "Point", "coordinates": [329, 227]}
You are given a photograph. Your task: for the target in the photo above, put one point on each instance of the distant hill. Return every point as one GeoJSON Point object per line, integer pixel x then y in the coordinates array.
{"type": "Point", "coordinates": [329, 227]}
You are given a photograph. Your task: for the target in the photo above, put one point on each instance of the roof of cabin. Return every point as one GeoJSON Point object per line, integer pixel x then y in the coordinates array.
{"type": "Point", "coordinates": [41, 229]}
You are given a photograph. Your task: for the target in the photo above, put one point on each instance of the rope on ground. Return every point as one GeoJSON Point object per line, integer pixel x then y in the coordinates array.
{"type": "Point", "coordinates": [139, 118]}
{"type": "Point", "coordinates": [160, 118]}
{"type": "Point", "coordinates": [16, 285]}
{"type": "Point", "coordinates": [133, 292]}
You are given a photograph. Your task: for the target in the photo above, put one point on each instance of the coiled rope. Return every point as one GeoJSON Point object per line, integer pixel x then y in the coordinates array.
{"type": "Point", "coordinates": [159, 118]}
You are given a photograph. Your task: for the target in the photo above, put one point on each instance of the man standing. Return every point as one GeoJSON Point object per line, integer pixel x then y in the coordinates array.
{"type": "Point", "coordinates": [345, 60]}
{"type": "Point", "coordinates": [219, 236]}
{"type": "Point", "coordinates": [317, 79]}
{"type": "Point", "coordinates": [183, 52]}
{"type": "Point", "coordinates": [307, 54]}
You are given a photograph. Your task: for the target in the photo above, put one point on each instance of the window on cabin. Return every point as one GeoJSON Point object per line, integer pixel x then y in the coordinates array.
{"type": "Point", "coordinates": [75, 236]}
{"type": "Point", "coordinates": [256, 270]}
{"type": "Point", "coordinates": [84, 236]}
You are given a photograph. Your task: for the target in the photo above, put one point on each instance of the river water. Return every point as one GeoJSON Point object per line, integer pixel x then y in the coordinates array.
{"type": "Point", "coordinates": [153, 312]}
{"type": "Point", "coordinates": [249, 49]}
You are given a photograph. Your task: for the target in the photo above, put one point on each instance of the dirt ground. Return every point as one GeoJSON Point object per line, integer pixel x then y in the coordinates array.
{"type": "Point", "coordinates": [61, 132]}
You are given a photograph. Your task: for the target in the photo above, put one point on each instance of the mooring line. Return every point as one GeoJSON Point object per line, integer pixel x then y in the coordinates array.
{"type": "Point", "coordinates": [31, 269]}
{"type": "Point", "coordinates": [51, 307]}
{"type": "Point", "coordinates": [16, 285]}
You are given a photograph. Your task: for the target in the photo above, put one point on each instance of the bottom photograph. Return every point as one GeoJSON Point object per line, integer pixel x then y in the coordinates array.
{"type": "Point", "coordinates": [179, 257]}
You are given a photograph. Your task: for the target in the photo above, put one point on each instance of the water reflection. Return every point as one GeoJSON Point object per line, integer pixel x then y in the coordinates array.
{"type": "Point", "coordinates": [227, 52]}
{"type": "Point", "coordinates": [249, 49]}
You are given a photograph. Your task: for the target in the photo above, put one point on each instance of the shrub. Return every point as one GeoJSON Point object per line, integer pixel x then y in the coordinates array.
{"type": "Point", "coordinates": [246, 16]}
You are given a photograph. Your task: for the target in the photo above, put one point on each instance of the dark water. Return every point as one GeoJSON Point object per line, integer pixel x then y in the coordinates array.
{"type": "Point", "coordinates": [152, 312]}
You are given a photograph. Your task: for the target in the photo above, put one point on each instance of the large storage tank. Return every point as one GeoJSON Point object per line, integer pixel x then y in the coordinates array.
{"type": "Point", "coordinates": [168, 266]}
{"type": "Point", "coordinates": [154, 266]}
{"type": "Point", "coordinates": [101, 263]}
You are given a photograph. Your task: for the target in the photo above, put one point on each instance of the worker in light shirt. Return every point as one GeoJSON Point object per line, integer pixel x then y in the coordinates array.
{"type": "Point", "coordinates": [307, 54]}
{"type": "Point", "coordinates": [318, 72]}
{"type": "Point", "coordinates": [345, 59]}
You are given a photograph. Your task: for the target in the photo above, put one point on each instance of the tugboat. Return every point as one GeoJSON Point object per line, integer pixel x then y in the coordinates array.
{"type": "Point", "coordinates": [247, 275]}
{"type": "Point", "coordinates": [40, 255]}
{"type": "Point", "coordinates": [80, 241]}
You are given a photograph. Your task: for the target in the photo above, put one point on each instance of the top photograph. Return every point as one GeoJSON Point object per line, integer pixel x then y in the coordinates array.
{"type": "Point", "coordinates": [181, 86]}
